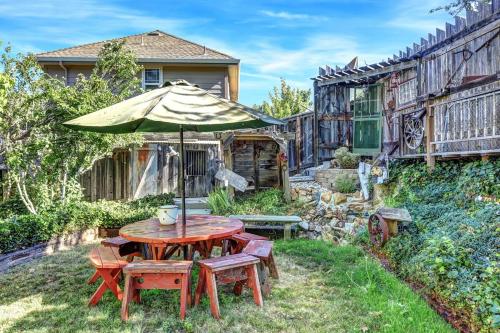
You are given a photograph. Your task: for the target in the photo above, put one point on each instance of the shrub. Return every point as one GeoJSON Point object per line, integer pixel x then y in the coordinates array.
{"type": "Point", "coordinates": [220, 202]}
{"type": "Point", "coordinates": [452, 244]}
{"type": "Point", "coordinates": [345, 184]}
{"type": "Point", "coordinates": [346, 159]}
{"type": "Point", "coordinates": [20, 231]}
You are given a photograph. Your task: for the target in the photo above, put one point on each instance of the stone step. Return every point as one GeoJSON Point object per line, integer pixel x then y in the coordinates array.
{"type": "Point", "coordinates": [193, 203]}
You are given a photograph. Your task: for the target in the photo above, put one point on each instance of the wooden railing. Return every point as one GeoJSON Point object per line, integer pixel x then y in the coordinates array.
{"type": "Point", "coordinates": [467, 125]}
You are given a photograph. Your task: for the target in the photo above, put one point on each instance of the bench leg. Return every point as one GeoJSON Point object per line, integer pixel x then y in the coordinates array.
{"type": "Point", "coordinates": [212, 293]}
{"type": "Point", "coordinates": [264, 279]}
{"type": "Point", "coordinates": [128, 295]}
{"type": "Point", "coordinates": [238, 287]}
{"type": "Point", "coordinates": [272, 267]}
{"type": "Point", "coordinates": [93, 278]}
{"type": "Point", "coordinates": [110, 277]}
{"type": "Point", "coordinates": [200, 288]}
{"type": "Point", "coordinates": [184, 295]}
{"type": "Point", "coordinates": [253, 282]}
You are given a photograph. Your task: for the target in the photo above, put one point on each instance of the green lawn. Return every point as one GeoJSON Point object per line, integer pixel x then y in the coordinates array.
{"type": "Point", "coordinates": [323, 288]}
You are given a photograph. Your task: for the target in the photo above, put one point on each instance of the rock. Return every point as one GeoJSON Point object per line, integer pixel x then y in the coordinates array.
{"type": "Point", "coordinates": [318, 228]}
{"type": "Point", "coordinates": [357, 207]}
{"type": "Point", "coordinates": [327, 228]}
{"type": "Point", "coordinates": [339, 198]}
{"type": "Point", "coordinates": [312, 226]}
{"type": "Point", "coordinates": [304, 225]}
{"type": "Point", "coordinates": [326, 197]}
{"type": "Point", "coordinates": [334, 222]}
{"type": "Point", "coordinates": [349, 227]}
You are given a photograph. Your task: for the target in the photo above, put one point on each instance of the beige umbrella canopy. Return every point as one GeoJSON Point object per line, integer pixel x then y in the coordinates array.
{"type": "Point", "coordinates": [166, 109]}
{"type": "Point", "coordinates": [176, 107]}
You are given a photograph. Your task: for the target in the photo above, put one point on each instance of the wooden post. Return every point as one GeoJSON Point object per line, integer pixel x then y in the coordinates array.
{"type": "Point", "coordinates": [234, 81]}
{"type": "Point", "coordinates": [285, 175]}
{"type": "Point", "coordinates": [429, 128]}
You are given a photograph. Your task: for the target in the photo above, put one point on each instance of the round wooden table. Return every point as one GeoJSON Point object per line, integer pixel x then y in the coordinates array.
{"type": "Point", "coordinates": [201, 231]}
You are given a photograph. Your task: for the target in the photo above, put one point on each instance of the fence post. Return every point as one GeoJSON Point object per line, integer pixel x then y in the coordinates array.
{"type": "Point", "coordinates": [429, 128]}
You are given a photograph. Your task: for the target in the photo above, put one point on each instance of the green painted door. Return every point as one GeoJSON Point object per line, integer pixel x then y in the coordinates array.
{"type": "Point", "coordinates": [367, 119]}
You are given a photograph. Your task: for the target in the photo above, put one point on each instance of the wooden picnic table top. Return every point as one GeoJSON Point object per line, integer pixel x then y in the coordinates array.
{"type": "Point", "coordinates": [198, 228]}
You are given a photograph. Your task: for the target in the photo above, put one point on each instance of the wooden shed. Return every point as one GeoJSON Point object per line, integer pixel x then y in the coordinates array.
{"type": "Point", "coordinates": [153, 169]}
{"type": "Point", "coordinates": [437, 98]}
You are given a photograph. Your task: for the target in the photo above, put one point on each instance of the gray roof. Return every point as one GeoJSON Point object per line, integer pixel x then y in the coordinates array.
{"type": "Point", "coordinates": [154, 46]}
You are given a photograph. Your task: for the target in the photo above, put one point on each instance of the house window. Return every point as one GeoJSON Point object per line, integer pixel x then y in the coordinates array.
{"type": "Point", "coordinates": [196, 162]}
{"type": "Point", "coordinates": [152, 78]}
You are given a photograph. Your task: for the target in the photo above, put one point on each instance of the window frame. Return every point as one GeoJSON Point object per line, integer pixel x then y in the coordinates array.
{"type": "Point", "coordinates": [152, 85]}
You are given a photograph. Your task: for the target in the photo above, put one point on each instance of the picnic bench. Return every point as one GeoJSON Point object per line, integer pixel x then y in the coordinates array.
{"type": "Point", "coordinates": [270, 223]}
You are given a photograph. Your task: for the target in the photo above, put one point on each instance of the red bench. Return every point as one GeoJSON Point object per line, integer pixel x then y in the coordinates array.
{"type": "Point", "coordinates": [155, 274]}
{"type": "Point", "coordinates": [239, 241]}
{"type": "Point", "coordinates": [263, 250]}
{"type": "Point", "coordinates": [108, 264]}
{"type": "Point", "coordinates": [237, 268]}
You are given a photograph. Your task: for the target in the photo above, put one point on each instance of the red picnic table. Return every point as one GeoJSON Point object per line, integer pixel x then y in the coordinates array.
{"type": "Point", "coordinates": [200, 231]}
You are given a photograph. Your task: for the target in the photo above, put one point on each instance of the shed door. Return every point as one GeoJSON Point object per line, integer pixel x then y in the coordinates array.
{"type": "Point", "coordinates": [367, 120]}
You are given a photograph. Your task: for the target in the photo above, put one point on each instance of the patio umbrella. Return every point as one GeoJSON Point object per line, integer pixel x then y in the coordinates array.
{"type": "Point", "coordinates": [176, 107]}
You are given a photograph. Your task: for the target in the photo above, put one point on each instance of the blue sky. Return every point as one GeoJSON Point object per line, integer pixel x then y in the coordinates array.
{"type": "Point", "coordinates": [273, 39]}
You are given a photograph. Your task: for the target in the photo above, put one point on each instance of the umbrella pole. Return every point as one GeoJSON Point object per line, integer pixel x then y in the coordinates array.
{"type": "Point", "coordinates": [183, 187]}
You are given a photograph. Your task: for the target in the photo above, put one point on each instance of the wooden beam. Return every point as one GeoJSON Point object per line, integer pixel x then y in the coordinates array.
{"type": "Point", "coordinates": [234, 82]}
{"type": "Point", "coordinates": [374, 72]}
{"type": "Point", "coordinates": [429, 129]}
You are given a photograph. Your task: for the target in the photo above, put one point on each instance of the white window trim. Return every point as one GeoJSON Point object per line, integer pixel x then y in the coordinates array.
{"type": "Point", "coordinates": [143, 76]}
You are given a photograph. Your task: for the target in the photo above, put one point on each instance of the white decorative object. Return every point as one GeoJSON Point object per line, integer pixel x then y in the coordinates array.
{"type": "Point", "coordinates": [233, 179]}
{"type": "Point", "coordinates": [168, 214]}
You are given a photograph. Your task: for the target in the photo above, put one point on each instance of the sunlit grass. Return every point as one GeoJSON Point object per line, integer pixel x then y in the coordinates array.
{"type": "Point", "coordinates": [322, 288]}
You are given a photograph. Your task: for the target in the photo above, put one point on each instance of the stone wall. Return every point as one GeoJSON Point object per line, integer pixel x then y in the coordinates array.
{"type": "Point", "coordinates": [59, 243]}
{"type": "Point", "coordinates": [327, 177]}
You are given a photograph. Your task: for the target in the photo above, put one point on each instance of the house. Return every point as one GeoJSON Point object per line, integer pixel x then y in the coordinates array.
{"type": "Point", "coordinates": [164, 57]}
{"type": "Point", "coordinates": [438, 98]}
{"type": "Point", "coordinates": [153, 169]}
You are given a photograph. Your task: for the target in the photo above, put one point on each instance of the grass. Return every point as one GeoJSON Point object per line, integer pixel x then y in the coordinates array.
{"type": "Point", "coordinates": [322, 288]}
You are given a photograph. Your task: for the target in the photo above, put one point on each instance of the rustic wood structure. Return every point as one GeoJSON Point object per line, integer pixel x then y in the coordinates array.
{"type": "Point", "coordinates": [236, 268]}
{"type": "Point", "coordinates": [239, 241]}
{"type": "Point", "coordinates": [155, 274]}
{"type": "Point", "coordinates": [201, 231]}
{"type": "Point", "coordinates": [258, 156]}
{"type": "Point", "coordinates": [437, 98]}
{"type": "Point", "coordinates": [385, 223]}
{"type": "Point", "coordinates": [153, 169]}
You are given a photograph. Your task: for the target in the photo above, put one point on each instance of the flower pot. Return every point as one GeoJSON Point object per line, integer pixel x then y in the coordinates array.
{"type": "Point", "coordinates": [168, 214]}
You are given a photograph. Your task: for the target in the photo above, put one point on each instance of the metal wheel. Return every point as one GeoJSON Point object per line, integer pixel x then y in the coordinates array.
{"type": "Point", "coordinates": [413, 132]}
{"type": "Point", "coordinates": [378, 229]}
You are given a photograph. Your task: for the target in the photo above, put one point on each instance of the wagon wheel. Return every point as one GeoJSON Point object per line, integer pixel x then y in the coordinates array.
{"type": "Point", "coordinates": [413, 132]}
{"type": "Point", "coordinates": [378, 229]}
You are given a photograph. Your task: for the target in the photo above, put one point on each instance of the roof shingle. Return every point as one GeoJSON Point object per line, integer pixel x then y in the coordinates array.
{"type": "Point", "coordinates": [150, 45]}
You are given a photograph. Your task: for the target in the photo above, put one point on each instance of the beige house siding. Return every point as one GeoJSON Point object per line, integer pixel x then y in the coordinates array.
{"type": "Point", "coordinates": [213, 79]}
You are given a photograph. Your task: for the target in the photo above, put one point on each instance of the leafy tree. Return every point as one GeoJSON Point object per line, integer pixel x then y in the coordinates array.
{"type": "Point", "coordinates": [455, 7]}
{"type": "Point", "coordinates": [43, 156]}
{"type": "Point", "coordinates": [286, 101]}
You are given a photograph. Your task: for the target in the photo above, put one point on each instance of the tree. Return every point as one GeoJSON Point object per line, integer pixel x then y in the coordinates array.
{"type": "Point", "coordinates": [455, 7]}
{"type": "Point", "coordinates": [43, 156]}
{"type": "Point", "coordinates": [286, 101]}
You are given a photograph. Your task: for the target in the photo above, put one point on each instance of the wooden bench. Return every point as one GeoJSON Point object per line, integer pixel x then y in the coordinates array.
{"type": "Point", "coordinates": [270, 223]}
{"type": "Point", "coordinates": [125, 247]}
{"type": "Point", "coordinates": [155, 274]}
{"type": "Point", "coordinates": [108, 264]}
{"type": "Point", "coordinates": [237, 268]}
{"type": "Point", "coordinates": [263, 250]}
{"type": "Point", "coordinates": [237, 242]}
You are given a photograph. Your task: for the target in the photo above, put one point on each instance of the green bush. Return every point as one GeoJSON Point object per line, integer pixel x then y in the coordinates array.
{"type": "Point", "coordinates": [345, 184]}
{"type": "Point", "coordinates": [20, 231]}
{"type": "Point", "coordinates": [452, 244]}
{"type": "Point", "coordinates": [265, 202]}
{"type": "Point", "coordinates": [346, 159]}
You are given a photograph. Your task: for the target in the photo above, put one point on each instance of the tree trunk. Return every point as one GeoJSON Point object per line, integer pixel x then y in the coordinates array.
{"type": "Point", "coordinates": [23, 194]}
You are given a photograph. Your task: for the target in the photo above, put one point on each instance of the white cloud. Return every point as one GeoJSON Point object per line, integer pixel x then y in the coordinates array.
{"type": "Point", "coordinates": [290, 16]}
